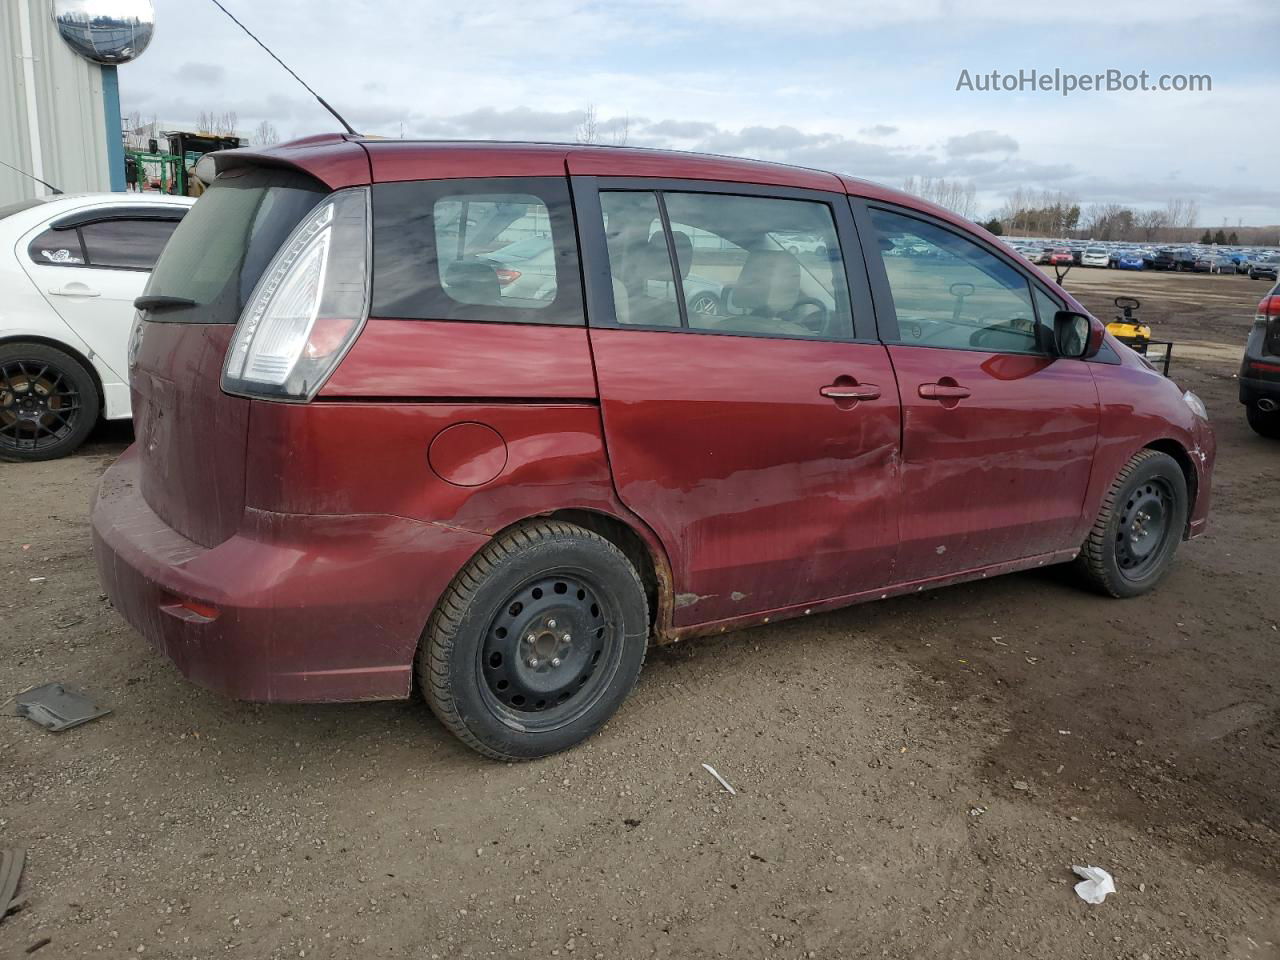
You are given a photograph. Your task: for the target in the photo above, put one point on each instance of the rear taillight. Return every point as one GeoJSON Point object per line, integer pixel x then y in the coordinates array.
{"type": "Point", "coordinates": [1269, 308]}
{"type": "Point", "coordinates": [507, 277]}
{"type": "Point", "coordinates": [309, 306]}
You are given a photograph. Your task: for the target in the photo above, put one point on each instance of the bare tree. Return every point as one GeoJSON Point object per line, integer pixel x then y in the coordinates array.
{"type": "Point", "coordinates": [264, 134]}
{"type": "Point", "coordinates": [1150, 222]}
{"type": "Point", "coordinates": [956, 195]}
{"type": "Point", "coordinates": [622, 130]}
{"type": "Point", "coordinates": [217, 124]}
{"type": "Point", "coordinates": [588, 127]}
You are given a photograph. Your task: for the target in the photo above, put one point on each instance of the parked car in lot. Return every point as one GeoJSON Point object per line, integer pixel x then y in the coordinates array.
{"type": "Point", "coordinates": [1213, 263]}
{"type": "Point", "coordinates": [1260, 369]}
{"type": "Point", "coordinates": [70, 268]}
{"type": "Point", "coordinates": [359, 467]}
{"type": "Point", "coordinates": [1095, 257]}
{"type": "Point", "coordinates": [1129, 260]}
{"type": "Point", "coordinates": [1061, 256]}
{"type": "Point", "coordinates": [1263, 270]}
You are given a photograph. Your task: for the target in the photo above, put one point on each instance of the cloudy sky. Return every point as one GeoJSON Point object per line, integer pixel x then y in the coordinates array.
{"type": "Point", "coordinates": [866, 87]}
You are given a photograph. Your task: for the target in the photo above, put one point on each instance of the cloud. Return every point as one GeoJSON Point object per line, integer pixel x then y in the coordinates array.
{"type": "Point", "coordinates": [680, 129]}
{"type": "Point", "coordinates": [206, 74]}
{"type": "Point", "coordinates": [878, 130]}
{"type": "Point", "coordinates": [981, 141]}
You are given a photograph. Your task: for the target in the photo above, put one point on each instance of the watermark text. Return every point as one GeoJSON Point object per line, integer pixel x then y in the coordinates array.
{"type": "Point", "coordinates": [1066, 83]}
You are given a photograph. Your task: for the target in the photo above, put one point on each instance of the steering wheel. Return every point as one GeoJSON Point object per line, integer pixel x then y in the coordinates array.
{"type": "Point", "coordinates": [817, 320]}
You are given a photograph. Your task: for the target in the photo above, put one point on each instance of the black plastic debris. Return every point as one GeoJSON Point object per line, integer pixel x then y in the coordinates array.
{"type": "Point", "coordinates": [56, 707]}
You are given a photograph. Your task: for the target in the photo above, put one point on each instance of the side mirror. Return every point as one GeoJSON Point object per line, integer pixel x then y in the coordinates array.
{"type": "Point", "coordinates": [1076, 336]}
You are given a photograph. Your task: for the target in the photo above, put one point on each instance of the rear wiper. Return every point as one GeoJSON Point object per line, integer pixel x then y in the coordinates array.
{"type": "Point", "coordinates": [161, 302]}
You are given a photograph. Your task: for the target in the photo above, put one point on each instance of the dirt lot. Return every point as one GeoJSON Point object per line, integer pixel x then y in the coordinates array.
{"type": "Point", "coordinates": [914, 777]}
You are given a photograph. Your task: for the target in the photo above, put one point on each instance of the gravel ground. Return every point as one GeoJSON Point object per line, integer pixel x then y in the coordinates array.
{"type": "Point", "coordinates": [915, 777]}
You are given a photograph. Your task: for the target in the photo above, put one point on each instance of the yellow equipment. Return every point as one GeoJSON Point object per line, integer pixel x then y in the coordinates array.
{"type": "Point", "coordinates": [1131, 331]}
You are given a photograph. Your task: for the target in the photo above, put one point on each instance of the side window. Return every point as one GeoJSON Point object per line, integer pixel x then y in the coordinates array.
{"type": "Point", "coordinates": [745, 264]}
{"type": "Point", "coordinates": [501, 249]}
{"type": "Point", "coordinates": [126, 244]}
{"type": "Point", "coordinates": [950, 292]}
{"type": "Point", "coordinates": [57, 247]}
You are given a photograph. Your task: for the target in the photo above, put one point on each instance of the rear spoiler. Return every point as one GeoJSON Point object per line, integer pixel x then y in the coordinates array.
{"type": "Point", "coordinates": [335, 160]}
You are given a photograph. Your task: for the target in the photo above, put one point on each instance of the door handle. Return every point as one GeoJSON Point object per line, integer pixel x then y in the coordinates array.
{"type": "Point", "coordinates": [850, 391]}
{"type": "Point", "coordinates": [75, 290]}
{"type": "Point", "coordinates": [944, 390]}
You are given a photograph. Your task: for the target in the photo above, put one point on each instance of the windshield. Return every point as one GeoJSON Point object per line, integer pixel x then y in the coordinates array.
{"type": "Point", "coordinates": [224, 244]}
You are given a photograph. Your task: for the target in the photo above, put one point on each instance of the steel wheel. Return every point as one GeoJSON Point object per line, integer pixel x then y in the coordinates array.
{"type": "Point", "coordinates": [550, 651]}
{"type": "Point", "coordinates": [536, 642]}
{"type": "Point", "coordinates": [1144, 529]}
{"type": "Point", "coordinates": [42, 406]}
{"type": "Point", "coordinates": [1139, 526]}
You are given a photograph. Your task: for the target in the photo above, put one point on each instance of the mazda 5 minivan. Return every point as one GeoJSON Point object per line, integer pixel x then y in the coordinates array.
{"type": "Point", "coordinates": [367, 460]}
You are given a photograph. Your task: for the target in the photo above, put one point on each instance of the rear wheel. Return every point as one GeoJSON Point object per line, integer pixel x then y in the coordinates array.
{"type": "Point", "coordinates": [1264, 423]}
{"type": "Point", "coordinates": [48, 402]}
{"type": "Point", "coordinates": [536, 642]}
{"type": "Point", "coordinates": [704, 304]}
{"type": "Point", "coordinates": [1139, 527]}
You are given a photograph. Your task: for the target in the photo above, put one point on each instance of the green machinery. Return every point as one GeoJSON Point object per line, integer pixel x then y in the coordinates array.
{"type": "Point", "coordinates": [170, 172]}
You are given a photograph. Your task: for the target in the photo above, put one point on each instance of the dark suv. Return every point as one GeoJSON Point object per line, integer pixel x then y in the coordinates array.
{"type": "Point", "coordinates": [1260, 371]}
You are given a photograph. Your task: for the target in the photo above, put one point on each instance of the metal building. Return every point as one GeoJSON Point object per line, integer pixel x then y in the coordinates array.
{"type": "Point", "coordinates": [54, 111]}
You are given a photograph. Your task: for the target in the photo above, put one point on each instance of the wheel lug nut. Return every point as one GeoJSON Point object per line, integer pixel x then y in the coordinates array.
{"type": "Point", "coordinates": [555, 661]}
{"type": "Point", "coordinates": [529, 638]}
{"type": "Point", "coordinates": [566, 638]}
{"type": "Point", "coordinates": [533, 662]}
{"type": "Point", "coordinates": [551, 624]}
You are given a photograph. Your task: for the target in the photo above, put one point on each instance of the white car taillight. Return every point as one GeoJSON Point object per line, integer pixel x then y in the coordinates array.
{"type": "Point", "coordinates": [309, 306]}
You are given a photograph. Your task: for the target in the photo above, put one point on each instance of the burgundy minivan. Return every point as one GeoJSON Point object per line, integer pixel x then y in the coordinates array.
{"type": "Point", "coordinates": [491, 417]}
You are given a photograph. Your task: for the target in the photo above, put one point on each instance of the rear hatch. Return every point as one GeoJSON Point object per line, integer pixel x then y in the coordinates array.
{"type": "Point", "coordinates": [191, 436]}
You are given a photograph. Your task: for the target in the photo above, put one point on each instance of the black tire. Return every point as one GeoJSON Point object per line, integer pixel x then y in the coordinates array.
{"type": "Point", "coordinates": [48, 402]}
{"type": "Point", "coordinates": [1264, 423]}
{"type": "Point", "coordinates": [1117, 558]}
{"type": "Point", "coordinates": [481, 672]}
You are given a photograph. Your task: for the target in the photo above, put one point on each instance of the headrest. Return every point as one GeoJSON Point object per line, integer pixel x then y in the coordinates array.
{"type": "Point", "coordinates": [472, 281]}
{"type": "Point", "coordinates": [769, 282]}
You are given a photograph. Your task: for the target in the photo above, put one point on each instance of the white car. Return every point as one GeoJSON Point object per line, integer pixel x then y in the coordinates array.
{"type": "Point", "coordinates": [70, 268]}
{"type": "Point", "coordinates": [1095, 257]}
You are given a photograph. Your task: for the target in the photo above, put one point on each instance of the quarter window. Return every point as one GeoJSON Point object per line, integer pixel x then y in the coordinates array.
{"type": "Point", "coordinates": [743, 264]}
{"type": "Point", "coordinates": [950, 292]}
{"type": "Point", "coordinates": [58, 247]}
{"type": "Point", "coordinates": [500, 249]}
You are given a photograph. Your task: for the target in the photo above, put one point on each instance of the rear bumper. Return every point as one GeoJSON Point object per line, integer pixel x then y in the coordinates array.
{"type": "Point", "coordinates": [304, 608]}
{"type": "Point", "coordinates": [1253, 389]}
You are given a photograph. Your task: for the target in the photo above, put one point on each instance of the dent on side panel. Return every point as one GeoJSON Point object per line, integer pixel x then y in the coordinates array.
{"type": "Point", "coordinates": [1141, 408]}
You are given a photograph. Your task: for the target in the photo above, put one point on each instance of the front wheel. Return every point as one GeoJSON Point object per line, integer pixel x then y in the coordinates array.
{"type": "Point", "coordinates": [1264, 423]}
{"type": "Point", "coordinates": [536, 642]}
{"type": "Point", "coordinates": [1139, 527]}
{"type": "Point", "coordinates": [48, 402]}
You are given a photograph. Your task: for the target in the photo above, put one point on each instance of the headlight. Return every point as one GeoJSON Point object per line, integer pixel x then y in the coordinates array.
{"type": "Point", "coordinates": [1196, 405]}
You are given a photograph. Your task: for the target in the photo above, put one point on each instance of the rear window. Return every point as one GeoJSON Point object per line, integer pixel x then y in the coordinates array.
{"type": "Point", "coordinates": [500, 249]}
{"type": "Point", "coordinates": [9, 209]}
{"type": "Point", "coordinates": [223, 245]}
